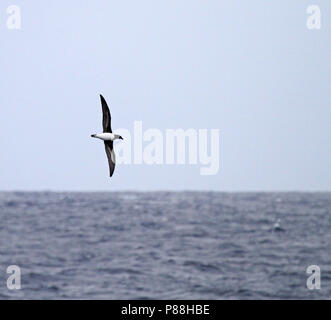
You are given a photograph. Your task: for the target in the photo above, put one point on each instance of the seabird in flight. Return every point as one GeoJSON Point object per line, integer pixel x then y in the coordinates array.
{"type": "Point", "coordinates": [107, 136]}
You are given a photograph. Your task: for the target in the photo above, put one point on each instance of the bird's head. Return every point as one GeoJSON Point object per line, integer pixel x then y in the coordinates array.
{"type": "Point", "coordinates": [117, 136]}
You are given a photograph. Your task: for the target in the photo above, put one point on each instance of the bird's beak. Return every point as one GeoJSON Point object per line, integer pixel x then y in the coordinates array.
{"type": "Point", "coordinates": [121, 138]}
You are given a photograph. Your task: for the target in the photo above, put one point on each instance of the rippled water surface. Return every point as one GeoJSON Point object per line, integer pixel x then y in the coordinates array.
{"type": "Point", "coordinates": [163, 245]}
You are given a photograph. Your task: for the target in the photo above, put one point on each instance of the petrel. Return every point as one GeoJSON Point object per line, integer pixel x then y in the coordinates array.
{"type": "Point", "coordinates": [107, 136]}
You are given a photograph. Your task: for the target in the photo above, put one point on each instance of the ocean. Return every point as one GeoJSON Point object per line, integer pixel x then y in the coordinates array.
{"type": "Point", "coordinates": [165, 245]}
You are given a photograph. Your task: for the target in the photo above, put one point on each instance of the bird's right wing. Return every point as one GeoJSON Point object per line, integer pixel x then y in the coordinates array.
{"type": "Point", "coordinates": [106, 118]}
{"type": "Point", "coordinates": [111, 156]}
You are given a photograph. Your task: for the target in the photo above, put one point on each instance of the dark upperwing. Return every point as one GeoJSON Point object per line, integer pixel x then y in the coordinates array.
{"type": "Point", "coordinates": [106, 117]}
{"type": "Point", "coordinates": [111, 161]}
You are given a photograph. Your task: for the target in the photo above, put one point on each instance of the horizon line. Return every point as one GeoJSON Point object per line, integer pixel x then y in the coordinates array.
{"type": "Point", "coordinates": [159, 190]}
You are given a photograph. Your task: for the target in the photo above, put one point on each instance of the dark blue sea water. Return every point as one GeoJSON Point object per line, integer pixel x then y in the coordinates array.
{"type": "Point", "coordinates": [164, 245]}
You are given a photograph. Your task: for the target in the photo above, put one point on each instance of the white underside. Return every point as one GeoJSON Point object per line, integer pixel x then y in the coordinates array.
{"type": "Point", "coordinates": [106, 136]}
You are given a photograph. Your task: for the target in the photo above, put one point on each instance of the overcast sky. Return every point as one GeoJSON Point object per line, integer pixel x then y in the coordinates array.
{"type": "Point", "coordinates": [251, 69]}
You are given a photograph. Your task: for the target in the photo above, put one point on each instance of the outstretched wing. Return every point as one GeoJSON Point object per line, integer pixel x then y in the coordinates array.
{"type": "Point", "coordinates": [106, 118]}
{"type": "Point", "coordinates": [111, 156]}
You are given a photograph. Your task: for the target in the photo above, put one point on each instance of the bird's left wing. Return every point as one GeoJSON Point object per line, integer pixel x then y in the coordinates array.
{"type": "Point", "coordinates": [111, 156]}
{"type": "Point", "coordinates": [106, 118]}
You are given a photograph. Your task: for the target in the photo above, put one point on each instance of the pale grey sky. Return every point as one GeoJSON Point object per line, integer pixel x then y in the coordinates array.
{"type": "Point", "coordinates": [249, 68]}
